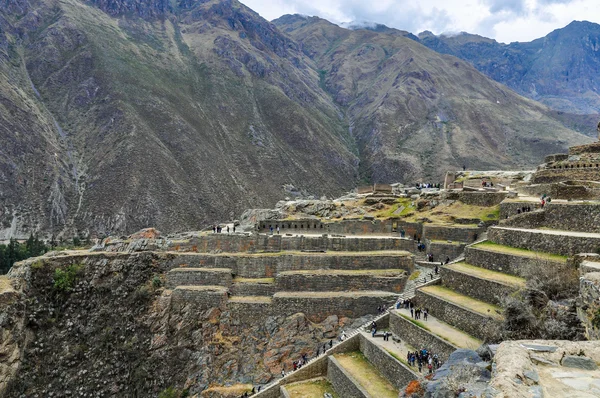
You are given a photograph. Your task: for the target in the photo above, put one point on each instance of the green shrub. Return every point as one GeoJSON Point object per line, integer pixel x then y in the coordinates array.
{"type": "Point", "coordinates": [156, 282]}
{"type": "Point", "coordinates": [65, 278]}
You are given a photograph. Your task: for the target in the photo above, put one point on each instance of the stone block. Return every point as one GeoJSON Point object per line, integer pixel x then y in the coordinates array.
{"type": "Point", "coordinates": [571, 361]}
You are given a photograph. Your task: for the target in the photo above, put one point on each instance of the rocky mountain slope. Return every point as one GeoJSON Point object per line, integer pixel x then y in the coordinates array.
{"type": "Point", "coordinates": [559, 70]}
{"type": "Point", "coordinates": [414, 111]}
{"type": "Point", "coordinates": [119, 114]}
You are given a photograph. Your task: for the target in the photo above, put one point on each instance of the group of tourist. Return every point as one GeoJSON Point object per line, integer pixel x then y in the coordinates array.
{"type": "Point", "coordinates": [420, 185]}
{"type": "Point", "coordinates": [255, 390]}
{"type": "Point", "coordinates": [486, 184]}
{"type": "Point", "coordinates": [217, 229]}
{"type": "Point", "coordinates": [524, 209]}
{"type": "Point", "coordinates": [423, 358]}
{"type": "Point", "coordinates": [415, 313]}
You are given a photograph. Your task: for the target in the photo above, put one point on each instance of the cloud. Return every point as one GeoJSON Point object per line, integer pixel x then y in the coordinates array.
{"type": "Point", "coordinates": [503, 20]}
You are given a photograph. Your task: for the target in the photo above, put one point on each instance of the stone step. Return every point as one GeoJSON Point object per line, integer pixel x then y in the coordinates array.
{"type": "Point", "coordinates": [508, 259]}
{"type": "Point", "coordinates": [353, 376]}
{"type": "Point", "coordinates": [389, 280]}
{"type": "Point", "coordinates": [566, 243]}
{"type": "Point", "coordinates": [316, 387]}
{"type": "Point", "coordinates": [253, 287]}
{"type": "Point", "coordinates": [435, 335]}
{"type": "Point", "coordinates": [480, 283]}
{"type": "Point", "coordinates": [470, 315]}
{"type": "Point", "coordinates": [185, 276]}
{"type": "Point", "coordinates": [318, 305]}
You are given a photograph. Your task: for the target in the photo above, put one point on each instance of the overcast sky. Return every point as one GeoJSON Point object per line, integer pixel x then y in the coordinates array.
{"type": "Point", "coordinates": [503, 20]}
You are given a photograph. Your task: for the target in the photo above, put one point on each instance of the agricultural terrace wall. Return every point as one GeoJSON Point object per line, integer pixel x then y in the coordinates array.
{"type": "Point", "coordinates": [318, 306]}
{"type": "Point", "coordinates": [198, 276]}
{"type": "Point", "coordinates": [473, 323]}
{"type": "Point", "coordinates": [392, 369]}
{"type": "Point", "coordinates": [561, 190]}
{"type": "Point", "coordinates": [478, 288]}
{"type": "Point", "coordinates": [566, 245]}
{"type": "Point", "coordinates": [452, 233]}
{"type": "Point", "coordinates": [567, 174]}
{"type": "Point", "coordinates": [440, 250]}
{"type": "Point", "coordinates": [270, 264]}
{"type": "Point", "coordinates": [317, 226]}
{"type": "Point", "coordinates": [504, 262]}
{"type": "Point", "coordinates": [249, 313]}
{"type": "Point", "coordinates": [343, 383]}
{"type": "Point", "coordinates": [203, 297]}
{"type": "Point", "coordinates": [418, 337]}
{"type": "Point", "coordinates": [338, 282]}
{"type": "Point", "coordinates": [509, 209]}
{"type": "Point", "coordinates": [484, 199]}
{"type": "Point", "coordinates": [252, 289]}
{"type": "Point", "coordinates": [224, 243]}
{"type": "Point", "coordinates": [584, 217]}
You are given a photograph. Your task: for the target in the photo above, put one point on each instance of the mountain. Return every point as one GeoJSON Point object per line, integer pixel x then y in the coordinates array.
{"type": "Point", "coordinates": [121, 114]}
{"type": "Point", "coordinates": [415, 112]}
{"type": "Point", "coordinates": [560, 70]}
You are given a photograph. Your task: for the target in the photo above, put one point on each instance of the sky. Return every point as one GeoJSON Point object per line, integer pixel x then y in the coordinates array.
{"type": "Point", "coordinates": [503, 20]}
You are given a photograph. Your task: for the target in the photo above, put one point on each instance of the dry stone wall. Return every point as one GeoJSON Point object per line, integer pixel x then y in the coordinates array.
{"type": "Point", "coordinates": [452, 233]}
{"type": "Point", "coordinates": [343, 383]}
{"type": "Point", "coordinates": [335, 282]}
{"type": "Point", "coordinates": [566, 245]}
{"type": "Point", "coordinates": [202, 296]}
{"type": "Point", "coordinates": [233, 243]}
{"type": "Point", "coordinates": [441, 250]}
{"type": "Point", "coordinates": [252, 289]}
{"type": "Point", "coordinates": [473, 323]}
{"type": "Point", "coordinates": [198, 276]}
{"type": "Point", "coordinates": [318, 306]}
{"type": "Point", "coordinates": [420, 338]}
{"type": "Point", "coordinates": [485, 199]}
{"type": "Point", "coordinates": [561, 216]}
{"type": "Point", "coordinates": [481, 289]}
{"type": "Point", "coordinates": [504, 262]}
{"type": "Point", "coordinates": [393, 370]}
{"type": "Point", "coordinates": [588, 304]}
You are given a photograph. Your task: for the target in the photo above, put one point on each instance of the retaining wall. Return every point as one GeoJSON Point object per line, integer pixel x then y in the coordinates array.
{"type": "Point", "coordinates": [270, 264]}
{"type": "Point", "coordinates": [420, 338]}
{"type": "Point", "coordinates": [343, 383]}
{"type": "Point", "coordinates": [202, 296]}
{"type": "Point", "coordinates": [252, 289]}
{"type": "Point", "coordinates": [588, 305]}
{"type": "Point", "coordinates": [393, 370]}
{"type": "Point", "coordinates": [318, 306]}
{"type": "Point", "coordinates": [507, 263]}
{"type": "Point", "coordinates": [441, 250]}
{"type": "Point", "coordinates": [580, 217]}
{"type": "Point", "coordinates": [452, 233]}
{"type": "Point", "coordinates": [484, 199]}
{"type": "Point", "coordinates": [198, 276]}
{"type": "Point", "coordinates": [538, 241]}
{"type": "Point", "coordinates": [561, 190]}
{"type": "Point", "coordinates": [216, 243]}
{"type": "Point", "coordinates": [509, 209]}
{"type": "Point", "coordinates": [335, 282]}
{"type": "Point", "coordinates": [249, 313]}
{"type": "Point", "coordinates": [481, 289]}
{"type": "Point", "coordinates": [473, 323]}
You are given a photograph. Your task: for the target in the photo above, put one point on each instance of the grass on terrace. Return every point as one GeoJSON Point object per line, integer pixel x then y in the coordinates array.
{"type": "Point", "coordinates": [250, 299]}
{"type": "Point", "coordinates": [397, 253]}
{"type": "Point", "coordinates": [464, 301]}
{"type": "Point", "coordinates": [446, 214]}
{"type": "Point", "coordinates": [487, 274]}
{"type": "Point", "coordinates": [490, 246]}
{"type": "Point", "coordinates": [446, 332]}
{"type": "Point", "coordinates": [254, 280]}
{"type": "Point", "coordinates": [367, 376]}
{"type": "Point", "coordinates": [234, 390]}
{"type": "Point", "coordinates": [314, 388]}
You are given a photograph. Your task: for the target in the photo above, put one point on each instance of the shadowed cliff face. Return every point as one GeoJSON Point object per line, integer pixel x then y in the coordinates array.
{"type": "Point", "coordinates": [112, 331]}
{"type": "Point", "coordinates": [120, 114]}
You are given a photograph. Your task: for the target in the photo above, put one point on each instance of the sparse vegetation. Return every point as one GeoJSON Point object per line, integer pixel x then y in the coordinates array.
{"type": "Point", "coordinates": [65, 278]}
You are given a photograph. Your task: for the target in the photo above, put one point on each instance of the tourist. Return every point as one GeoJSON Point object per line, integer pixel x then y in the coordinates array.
{"type": "Point", "coordinates": [282, 373]}
{"type": "Point", "coordinates": [411, 313]}
{"type": "Point", "coordinates": [425, 314]}
{"type": "Point", "coordinates": [271, 229]}
{"type": "Point", "coordinates": [330, 343]}
{"type": "Point", "coordinates": [447, 260]}
{"type": "Point", "coordinates": [464, 167]}
{"type": "Point", "coordinates": [234, 228]}
{"type": "Point", "coordinates": [278, 230]}
{"type": "Point", "coordinates": [228, 229]}
{"type": "Point", "coordinates": [436, 269]}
